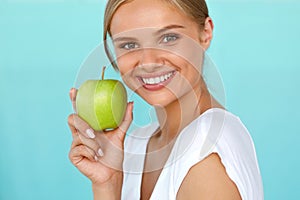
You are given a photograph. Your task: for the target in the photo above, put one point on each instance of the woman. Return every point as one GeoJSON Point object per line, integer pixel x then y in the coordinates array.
{"type": "Point", "coordinates": [197, 150]}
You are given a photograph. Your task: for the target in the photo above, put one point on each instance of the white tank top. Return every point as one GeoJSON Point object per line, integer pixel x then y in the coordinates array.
{"type": "Point", "coordinates": [215, 131]}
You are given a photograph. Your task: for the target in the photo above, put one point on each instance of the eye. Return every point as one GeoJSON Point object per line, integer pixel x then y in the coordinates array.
{"type": "Point", "coordinates": [129, 46]}
{"type": "Point", "coordinates": [168, 38]}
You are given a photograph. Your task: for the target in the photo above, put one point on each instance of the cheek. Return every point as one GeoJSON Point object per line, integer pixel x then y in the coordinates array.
{"type": "Point", "coordinates": [187, 68]}
{"type": "Point", "coordinates": [189, 75]}
{"type": "Point", "coordinates": [192, 75]}
{"type": "Point", "coordinates": [126, 64]}
{"type": "Point", "coordinates": [190, 52]}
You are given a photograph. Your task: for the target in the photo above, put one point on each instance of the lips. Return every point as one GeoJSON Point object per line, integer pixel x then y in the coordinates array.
{"type": "Point", "coordinates": [156, 82]}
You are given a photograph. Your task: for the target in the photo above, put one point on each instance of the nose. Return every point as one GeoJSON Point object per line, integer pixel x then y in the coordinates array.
{"type": "Point", "coordinates": [150, 57]}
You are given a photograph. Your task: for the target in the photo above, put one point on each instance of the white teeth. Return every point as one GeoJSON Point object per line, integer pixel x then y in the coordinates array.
{"type": "Point", "coordinates": [151, 81]}
{"type": "Point", "coordinates": [162, 79]}
{"type": "Point", "coordinates": [157, 80]}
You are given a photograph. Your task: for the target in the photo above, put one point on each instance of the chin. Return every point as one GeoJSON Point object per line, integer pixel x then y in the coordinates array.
{"type": "Point", "coordinates": [160, 100]}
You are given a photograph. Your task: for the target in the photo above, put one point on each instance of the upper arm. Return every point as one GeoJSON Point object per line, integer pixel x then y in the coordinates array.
{"type": "Point", "coordinates": [208, 180]}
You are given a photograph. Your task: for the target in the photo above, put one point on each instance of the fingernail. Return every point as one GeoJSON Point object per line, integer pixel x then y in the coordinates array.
{"type": "Point", "coordinates": [90, 133]}
{"type": "Point", "coordinates": [100, 152]}
{"type": "Point", "coordinates": [96, 158]}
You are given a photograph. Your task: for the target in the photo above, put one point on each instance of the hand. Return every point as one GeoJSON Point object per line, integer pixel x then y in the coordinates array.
{"type": "Point", "coordinates": [97, 155]}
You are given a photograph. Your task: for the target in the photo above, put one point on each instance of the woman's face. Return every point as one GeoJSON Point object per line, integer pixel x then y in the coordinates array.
{"type": "Point", "coordinates": [158, 49]}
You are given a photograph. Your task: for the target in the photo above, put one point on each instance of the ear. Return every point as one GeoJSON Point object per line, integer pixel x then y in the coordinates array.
{"type": "Point", "coordinates": [206, 34]}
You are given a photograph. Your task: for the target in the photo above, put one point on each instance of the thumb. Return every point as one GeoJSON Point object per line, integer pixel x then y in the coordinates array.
{"type": "Point", "coordinates": [126, 121]}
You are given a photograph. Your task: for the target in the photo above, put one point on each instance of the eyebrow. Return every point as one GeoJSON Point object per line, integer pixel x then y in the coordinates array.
{"type": "Point", "coordinates": [166, 28]}
{"type": "Point", "coordinates": [160, 31]}
{"type": "Point", "coordinates": [124, 39]}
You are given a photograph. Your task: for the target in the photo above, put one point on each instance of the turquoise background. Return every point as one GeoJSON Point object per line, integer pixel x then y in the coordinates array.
{"type": "Point", "coordinates": [43, 43]}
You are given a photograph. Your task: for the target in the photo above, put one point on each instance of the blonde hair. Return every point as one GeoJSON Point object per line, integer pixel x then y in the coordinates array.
{"type": "Point", "coordinates": [196, 9]}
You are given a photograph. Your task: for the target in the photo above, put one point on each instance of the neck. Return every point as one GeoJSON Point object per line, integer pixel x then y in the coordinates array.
{"type": "Point", "coordinates": [177, 115]}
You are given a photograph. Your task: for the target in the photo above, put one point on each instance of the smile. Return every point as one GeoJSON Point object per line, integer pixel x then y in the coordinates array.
{"type": "Point", "coordinates": [157, 80]}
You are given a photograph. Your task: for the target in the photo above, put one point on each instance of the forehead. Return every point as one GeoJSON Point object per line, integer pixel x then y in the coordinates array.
{"type": "Point", "coordinates": [138, 14]}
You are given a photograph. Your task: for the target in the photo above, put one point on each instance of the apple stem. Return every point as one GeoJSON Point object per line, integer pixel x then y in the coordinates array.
{"type": "Point", "coordinates": [103, 70]}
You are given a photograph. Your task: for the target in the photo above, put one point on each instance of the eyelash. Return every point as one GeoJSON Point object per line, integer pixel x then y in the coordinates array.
{"type": "Point", "coordinates": [174, 37]}
{"type": "Point", "coordinates": [126, 45]}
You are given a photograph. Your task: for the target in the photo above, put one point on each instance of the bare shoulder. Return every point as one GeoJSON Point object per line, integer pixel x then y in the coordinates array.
{"type": "Point", "coordinates": [208, 180]}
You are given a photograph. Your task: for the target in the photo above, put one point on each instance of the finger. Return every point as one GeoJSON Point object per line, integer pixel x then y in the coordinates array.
{"type": "Point", "coordinates": [73, 93]}
{"type": "Point", "coordinates": [80, 138]}
{"type": "Point", "coordinates": [82, 126]}
{"type": "Point", "coordinates": [76, 141]}
{"type": "Point", "coordinates": [71, 126]}
{"type": "Point", "coordinates": [91, 143]}
{"type": "Point", "coordinates": [127, 121]}
{"type": "Point", "coordinates": [79, 152]}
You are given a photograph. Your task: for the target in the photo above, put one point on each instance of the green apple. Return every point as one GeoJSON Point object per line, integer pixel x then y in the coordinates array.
{"type": "Point", "coordinates": [102, 103]}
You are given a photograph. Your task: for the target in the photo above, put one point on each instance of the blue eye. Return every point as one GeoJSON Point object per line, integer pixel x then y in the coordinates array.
{"type": "Point", "coordinates": [129, 46]}
{"type": "Point", "coordinates": [169, 38]}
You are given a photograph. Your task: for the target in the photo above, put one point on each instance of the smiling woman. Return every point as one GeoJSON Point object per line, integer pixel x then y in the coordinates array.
{"type": "Point", "coordinates": [197, 150]}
